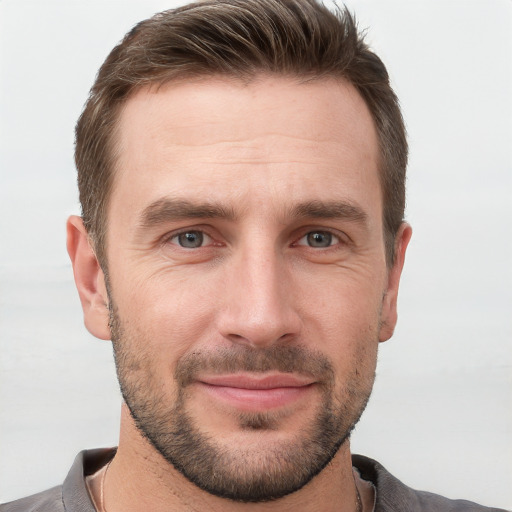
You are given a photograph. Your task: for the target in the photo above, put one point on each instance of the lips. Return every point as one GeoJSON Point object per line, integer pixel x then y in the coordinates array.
{"type": "Point", "coordinates": [251, 392]}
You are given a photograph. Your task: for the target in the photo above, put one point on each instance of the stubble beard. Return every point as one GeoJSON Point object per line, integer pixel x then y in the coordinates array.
{"type": "Point", "coordinates": [265, 473]}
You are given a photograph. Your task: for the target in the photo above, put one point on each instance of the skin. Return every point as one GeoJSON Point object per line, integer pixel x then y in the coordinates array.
{"type": "Point", "coordinates": [260, 152]}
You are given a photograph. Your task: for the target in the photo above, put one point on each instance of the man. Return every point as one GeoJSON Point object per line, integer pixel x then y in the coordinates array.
{"type": "Point", "coordinates": [241, 172]}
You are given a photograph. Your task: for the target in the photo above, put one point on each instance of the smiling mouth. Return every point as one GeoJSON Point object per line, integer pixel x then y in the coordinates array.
{"type": "Point", "coordinates": [256, 392]}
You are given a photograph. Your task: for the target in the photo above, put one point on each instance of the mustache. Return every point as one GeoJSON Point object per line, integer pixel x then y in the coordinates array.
{"type": "Point", "coordinates": [241, 358]}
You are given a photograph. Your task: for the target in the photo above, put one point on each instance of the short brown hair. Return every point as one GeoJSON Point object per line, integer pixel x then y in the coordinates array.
{"type": "Point", "coordinates": [236, 38]}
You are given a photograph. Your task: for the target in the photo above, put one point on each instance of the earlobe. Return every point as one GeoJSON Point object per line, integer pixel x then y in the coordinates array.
{"type": "Point", "coordinates": [389, 304]}
{"type": "Point", "coordinates": [89, 279]}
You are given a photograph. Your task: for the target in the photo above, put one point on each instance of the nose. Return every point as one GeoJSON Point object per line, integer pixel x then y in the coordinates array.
{"type": "Point", "coordinates": [260, 306]}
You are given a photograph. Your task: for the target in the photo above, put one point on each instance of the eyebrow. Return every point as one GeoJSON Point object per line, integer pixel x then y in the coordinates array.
{"type": "Point", "coordinates": [331, 210]}
{"type": "Point", "coordinates": [168, 209]}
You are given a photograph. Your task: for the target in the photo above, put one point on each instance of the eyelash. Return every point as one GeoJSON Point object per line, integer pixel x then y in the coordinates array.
{"type": "Point", "coordinates": [334, 239]}
{"type": "Point", "coordinates": [176, 236]}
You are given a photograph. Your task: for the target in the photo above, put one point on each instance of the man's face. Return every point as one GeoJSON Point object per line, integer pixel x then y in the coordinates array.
{"type": "Point", "coordinates": [247, 276]}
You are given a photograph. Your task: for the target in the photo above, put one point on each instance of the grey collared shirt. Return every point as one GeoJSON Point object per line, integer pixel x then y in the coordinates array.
{"type": "Point", "coordinates": [391, 494]}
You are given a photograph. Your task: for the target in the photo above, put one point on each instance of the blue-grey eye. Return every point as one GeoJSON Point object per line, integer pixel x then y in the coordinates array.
{"type": "Point", "coordinates": [318, 239]}
{"type": "Point", "coordinates": [190, 239]}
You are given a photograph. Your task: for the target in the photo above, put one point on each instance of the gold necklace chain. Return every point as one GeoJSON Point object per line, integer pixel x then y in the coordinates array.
{"type": "Point", "coordinates": [359, 503]}
{"type": "Point", "coordinates": [102, 487]}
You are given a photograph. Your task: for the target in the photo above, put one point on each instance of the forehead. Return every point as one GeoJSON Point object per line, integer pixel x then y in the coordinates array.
{"type": "Point", "coordinates": [271, 134]}
{"type": "Point", "coordinates": [194, 110]}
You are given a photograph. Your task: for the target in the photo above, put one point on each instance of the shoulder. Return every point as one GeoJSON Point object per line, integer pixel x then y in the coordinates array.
{"type": "Point", "coordinates": [394, 496]}
{"type": "Point", "coordinates": [72, 495]}
{"type": "Point", "coordinates": [46, 501]}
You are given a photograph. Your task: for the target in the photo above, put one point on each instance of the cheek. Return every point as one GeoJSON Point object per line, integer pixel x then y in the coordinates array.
{"type": "Point", "coordinates": [353, 346]}
{"type": "Point", "coordinates": [170, 313]}
{"type": "Point", "coordinates": [345, 325]}
{"type": "Point", "coordinates": [346, 306]}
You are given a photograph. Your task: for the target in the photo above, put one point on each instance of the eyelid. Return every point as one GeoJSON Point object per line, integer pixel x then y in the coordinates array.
{"type": "Point", "coordinates": [169, 237]}
{"type": "Point", "coordinates": [206, 240]}
{"type": "Point", "coordinates": [341, 237]}
{"type": "Point", "coordinates": [335, 240]}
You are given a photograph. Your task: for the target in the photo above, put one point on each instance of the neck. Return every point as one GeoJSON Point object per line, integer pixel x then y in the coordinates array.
{"type": "Point", "coordinates": [139, 478]}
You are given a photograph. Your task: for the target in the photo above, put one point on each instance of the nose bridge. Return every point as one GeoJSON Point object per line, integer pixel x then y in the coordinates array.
{"type": "Point", "coordinates": [260, 309]}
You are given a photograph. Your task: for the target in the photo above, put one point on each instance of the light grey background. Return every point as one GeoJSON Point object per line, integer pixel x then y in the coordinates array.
{"type": "Point", "coordinates": [440, 417]}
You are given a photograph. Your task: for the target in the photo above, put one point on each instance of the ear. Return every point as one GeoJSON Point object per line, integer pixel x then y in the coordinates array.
{"type": "Point", "coordinates": [89, 279]}
{"type": "Point", "coordinates": [389, 303]}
